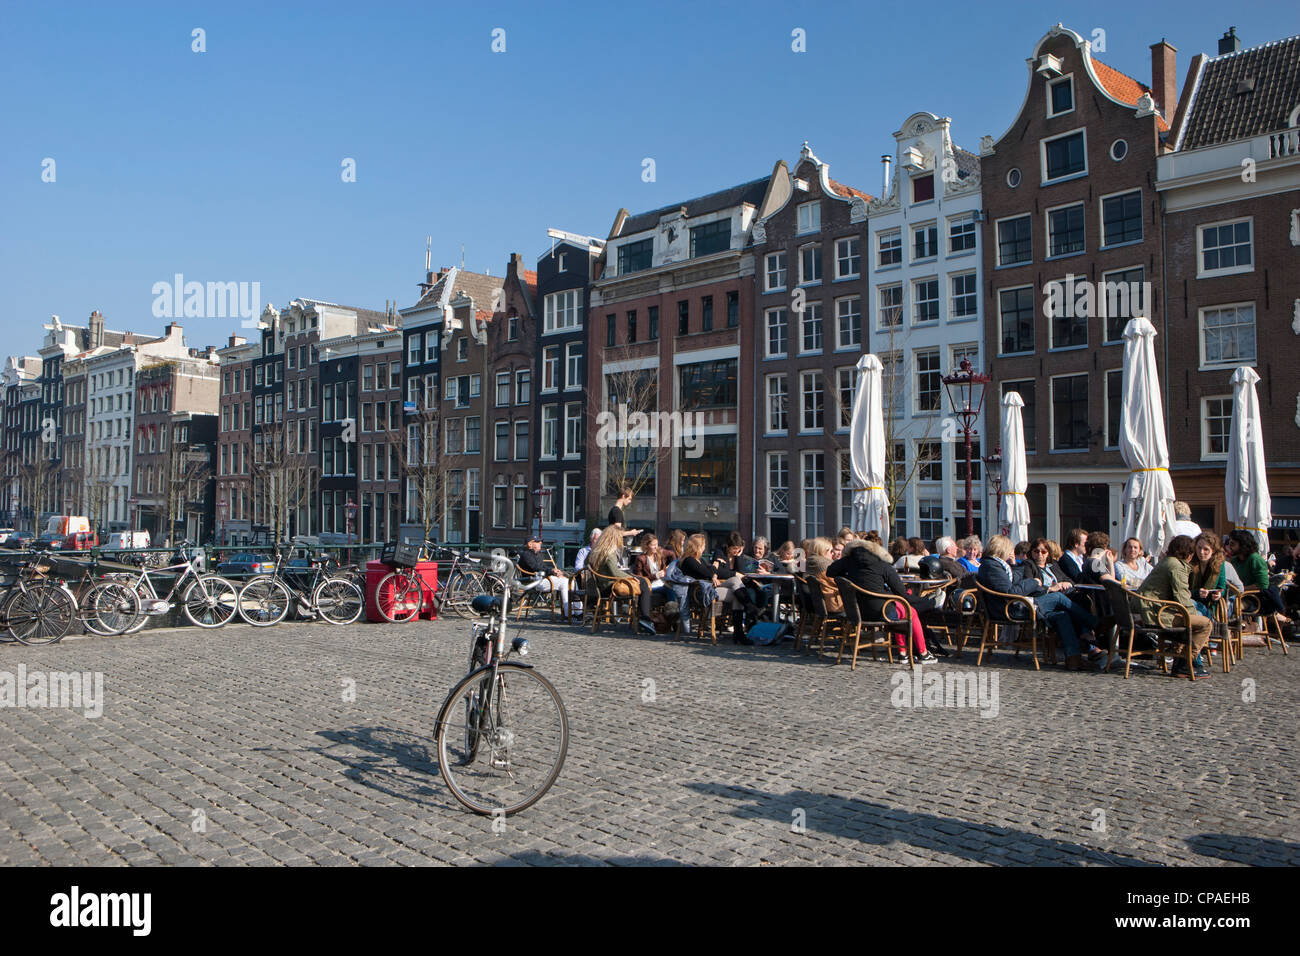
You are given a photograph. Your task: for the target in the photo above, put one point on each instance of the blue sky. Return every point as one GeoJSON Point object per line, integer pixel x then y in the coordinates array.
{"type": "Point", "coordinates": [225, 165]}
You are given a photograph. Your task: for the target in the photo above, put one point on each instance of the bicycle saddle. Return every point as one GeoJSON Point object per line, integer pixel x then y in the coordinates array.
{"type": "Point", "coordinates": [486, 605]}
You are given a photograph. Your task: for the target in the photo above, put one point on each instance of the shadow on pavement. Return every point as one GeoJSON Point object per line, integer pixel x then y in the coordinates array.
{"type": "Point", "coordinates": [395, 762]}
{"type": "Point", "coordinates": [1255, 851]}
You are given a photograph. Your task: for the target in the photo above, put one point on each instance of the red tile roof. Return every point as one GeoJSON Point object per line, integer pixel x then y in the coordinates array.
{"type": "Point", "coordinates": [1123, 87]}
{"type": "Point", "coordinates": [844, 190]}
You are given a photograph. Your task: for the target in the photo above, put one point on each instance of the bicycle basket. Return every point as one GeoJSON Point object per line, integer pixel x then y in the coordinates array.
{"type": "Point", "coordinates": [401, 555]}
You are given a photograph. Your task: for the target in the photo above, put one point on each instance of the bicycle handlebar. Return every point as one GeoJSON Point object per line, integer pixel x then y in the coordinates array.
{"type": "Point", "coordinates": [500, 564]}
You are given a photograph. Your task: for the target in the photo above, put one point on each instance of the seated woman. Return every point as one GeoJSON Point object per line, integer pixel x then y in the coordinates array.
{"type": "Point", "coordinates": [604, 561]}
{"type": "Point", "coordinates": [650, 563]}
{"type": "Point", "coordinates": [541, 575]}
{"type": "Point", "coordinates": [972, 549]}
{"type": "Point", "coordinates": [1072, 622]}
{"type": "Point", "coordinates": [910, 561]}
{"type": "Point", "coordinates": [1243, 552]}
{"type": "Point", "coordinates": [1169, 581]}
{"type": "Point", "coordinates": [745, 599]}
{"type": "Point", "coordinates": [691, 567]}
{"type": "Point", "coordinates": [676, 543]}
{"type": "Point", "coordinates": [819, 555]}
{"type": "Point", "coordinates": [1132, 567]}
{"type": "Point", "coordinates": [787, 558]}
{"type": "Point", "coordinates": [868, 565]}
{"type": "Point", "coordinates": [1208, 579]}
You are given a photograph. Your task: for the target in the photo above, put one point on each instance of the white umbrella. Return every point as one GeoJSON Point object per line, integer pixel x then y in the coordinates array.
{"type": "Point", "coordinates": [867, 454]}
{"type": "Point", "coordinates": [1014, 514]}
{"type": "Point", "coordinates": [1149, 496]}
{"type": "Point", "coordinates": [1246, 489]}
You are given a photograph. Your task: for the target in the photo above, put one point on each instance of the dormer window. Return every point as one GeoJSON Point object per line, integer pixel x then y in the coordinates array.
{"type": "Point", "coordinates": [923, 188]}
{"type": "Point", "coordinates": [560, 266]}
{"type": "Point", "coordinates": [1060, 96]}
{"type": "Point", "coordinates": [635, 256]}
{"type": "Point", "coordinates": [710, 238]}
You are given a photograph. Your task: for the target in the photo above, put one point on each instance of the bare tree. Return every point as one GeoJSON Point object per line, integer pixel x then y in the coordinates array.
{"type": "Point", "coordinates": [185, 472]}
{"type": "Point", "coordinates": [34, 482]}
{"type": "Point", "coordinates": [630, 450]}
{"type": "Point", "coordinates": [431, 492]}
{"type": "Point", "coordinates": [285, 478]}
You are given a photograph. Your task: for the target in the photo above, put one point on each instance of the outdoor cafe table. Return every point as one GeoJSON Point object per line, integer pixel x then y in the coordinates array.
{"type": "Point", "coordinates": [782, 582]}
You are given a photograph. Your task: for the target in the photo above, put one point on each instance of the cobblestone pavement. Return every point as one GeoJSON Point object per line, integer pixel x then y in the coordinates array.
{"type": "Point", "coordinates": [238, 746]}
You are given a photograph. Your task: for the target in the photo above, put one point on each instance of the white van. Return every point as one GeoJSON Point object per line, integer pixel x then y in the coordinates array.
{"type": "Point", "coordinates": [126, 540]}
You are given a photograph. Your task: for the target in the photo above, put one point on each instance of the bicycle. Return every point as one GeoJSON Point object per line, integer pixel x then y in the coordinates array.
{"type": "Point", "coordinates": [266, 598]}
{"type": "Point", "coordinates": [208, 600]}
{"type": "Point", "coordinates": [35, 610]}
{"type": "Point", "coordinates": [399, 594]}
{"type": "Point", "coordinates": [502, 733]}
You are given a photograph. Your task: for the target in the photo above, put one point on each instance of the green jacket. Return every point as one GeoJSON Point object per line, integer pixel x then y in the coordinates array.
{"type": "Point", "coordinates": [610, 569]}
{"type": "Point", "coordinates": [1252, 571]}
{"type": "Point", "coordinates": [1168, 582]}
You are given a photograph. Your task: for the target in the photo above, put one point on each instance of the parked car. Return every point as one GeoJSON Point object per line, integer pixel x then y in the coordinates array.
{"type": "Point", "coordinates": [20, 539]}
{"type": "Point", "coordinates": [50, 542]}
{"type": "Point", "coordinates": [4, 534]}
{"type": "Point", "coordinates": [243, 564]}
{"type": "Point", "coordinates": [81, 541]}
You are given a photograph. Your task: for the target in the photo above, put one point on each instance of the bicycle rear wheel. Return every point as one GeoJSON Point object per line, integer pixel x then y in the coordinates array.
{"type": "Point", "coordinates": [42, 614]}
{"type": "Point", "coordinates": [338, 600]}
{"type": "Point", "coordinates": [211, 601]}
{"type": "Point", "coordinates": [461, 588]}
{"type": "Point", "coordinates": [502, 739]}
{"type": "Point", "coordinates": [264, 601]}
{"type": "Point", "coordinates": [110, 608]}
{"type": "Point", "coordinates": [399, 595]}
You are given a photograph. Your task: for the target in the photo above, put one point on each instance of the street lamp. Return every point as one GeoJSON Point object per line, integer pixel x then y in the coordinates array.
{"type": "Point", "coordinates": [539, 510]}
{"type": "Point", "coordinates": [993, 468]}
{"type": "Point", "coordinates": [351, 508]}
{"type": "Point", "coordinates": [965, 389]}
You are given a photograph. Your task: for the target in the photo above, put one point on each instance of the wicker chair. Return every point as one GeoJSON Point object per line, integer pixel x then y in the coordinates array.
{"type": "Point", "coordinates": [703, 616]}
{"type": "Point", "coordinates": [1173, 627]}
{"type": "Point", "coordinates": [993, 624]}
{"type": "Point", "coordinates": [857, 628]}
{"type": "Point", "coordinates": [803, 601]}
{"type": "Point", "coordinates": [1252, 607]}
{"type": "Point", "coordinates": [830, 623]}
{"type": "Point", "coordinates": [604, 608]}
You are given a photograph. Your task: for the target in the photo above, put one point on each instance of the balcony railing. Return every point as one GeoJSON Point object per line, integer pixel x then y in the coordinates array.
{"type": "Point", "coordinates": [1284, 142]}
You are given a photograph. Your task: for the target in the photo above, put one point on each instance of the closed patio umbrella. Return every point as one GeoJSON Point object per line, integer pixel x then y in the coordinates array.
{"type": "Point", "coordinates": [867, 451]}
{"type": "Point", "coordinates": [1246, 487]}
{"type": "Point", "coordinates": [1149, 494]}
{"type": "Point", "coordinates": [1014, 513]}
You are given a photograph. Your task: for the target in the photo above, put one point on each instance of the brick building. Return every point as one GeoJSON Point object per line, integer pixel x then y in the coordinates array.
{"type": "Point", "coordinates": [512, 344]}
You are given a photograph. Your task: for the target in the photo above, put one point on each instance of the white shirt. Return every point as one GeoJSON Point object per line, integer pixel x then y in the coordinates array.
{"type": "Point", "coordinates": [1187, 527]}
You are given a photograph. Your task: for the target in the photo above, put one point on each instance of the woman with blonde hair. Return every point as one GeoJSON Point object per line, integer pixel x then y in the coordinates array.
{"type": "Point", "coordinates": [819, 555]}
{"type": "Point", "coordinates": [604, 561]}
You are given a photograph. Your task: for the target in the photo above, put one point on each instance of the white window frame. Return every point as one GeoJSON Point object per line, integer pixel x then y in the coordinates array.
{"type": "Point", "coordinates": [1042, 157]}
{"type": "Point", "coordinates": [1201, 271]}
{"type": "Point", "coordinates": [916, 302]}
{"type": "Point", "coordinates": [818, 388]}
{"type": "Point", "coordinates": [1206, 454]}
{"type": "Point", "coordinates": [1048, 255]}
{"type": "Point", "coordinates": [767, 332]}
{"type": "Point", "coordinates": [570, 380]}
{"type": "Point", "coordinates": [809, 217]}
{"type": "Point", "coordinates": [771, 428]}
{"type": "Point", "coordinates": [963, 219]}
{"type": "Point", "coordinates": [931, 224]}
{"type": "Point", "coordinates": [550, 369]}
{"type": "Point", "coordinates": [881, 236]}
{"type": "Point", "coordinates": [1200, 325]}
{"type": "Point", "coordinates": [782, 270]}
{"type": "Point", "coordinates": [805, 318]}
{"type": "Point", "coordinates": [953, 315]}
{"type": "Point", "coordinates": [848, 256]}
{"type": "Point", "coordinates": [1101, 219]}
{"type": "Point", "coordinates": [840, 316]}
{"type": "Point", "coordinates": [1057, 81]}
{"type": "Point", "coordinates": [821, 265]}
{"type": "Point", "coordinates": [880, 310]}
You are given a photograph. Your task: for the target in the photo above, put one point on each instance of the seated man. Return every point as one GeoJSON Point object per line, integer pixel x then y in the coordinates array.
{"type": "Point", "coordinates": [535, 574]}
{"type": "Point", "coordinates": [948, 552]}
{"type": "Point", "coordinates": [1073, 623]}
{"type": "Point", "coordinates": [1169, 582]}
{"type": "Point", "coordinates": [580, 561]}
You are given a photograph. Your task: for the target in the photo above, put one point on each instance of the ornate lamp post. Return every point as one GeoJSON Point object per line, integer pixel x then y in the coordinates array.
{"type": "Point", "coordinates": [351, 508]}
{"type": "Point", "coordinates": [223, 507]}
{"type": "Point", "coordinates": [993, 468]}
{"type": "Point", "coordinates": [965, 389]}
{"type": "Point", "coordinates": [541, 494]}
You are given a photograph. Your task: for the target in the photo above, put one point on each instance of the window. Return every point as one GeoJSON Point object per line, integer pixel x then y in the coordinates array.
{"type": "Point", "coordinates": [925, 301]}
{"type": "Point", "coordinates": [1114, 406]}
{"type": "Point", "coordinates": [1060, 96]}
{"type": "Point", "coordinates": [814, 492]}
{"type": "Point", "coordinates": [845, 380]}
{"type": "Point", "coordinates": [778, 333]}
{"type": "Point", "coordinates": [473, 435]}
{"type": "Point", "coordinates": [848, 322]}
{"type": "Point", "coordinates": [706, 314]}
{"type": "Point", "coordinates": [573, 433]}
{"type": "Point", "coordinates": [631, 327]}
{"type": "Point", "coordinates": [455, 436]}
{"type": "Point", "coordinates": [414, 349]}
{"type": "Point", "coordinates": [635, 463]}
{"type": "Point", "coordinates": [611, 330]}
{"type": "Point", "coordinates": [462, 349]}
{"type": "Point", "coordinates": [925, 242]}
{"type": "Point", "coordinates": [503, 389]}
{"type": "Point", "coordinates": [889, 246]}
{"type": "Point", "coordinates": [774, 263]}
{"type": "Point", "coordinates": [813, 402]}
{"type": "Point", "coordinates": [551, 368]}
{"type": "Point", "coordinates": [547, 502]}
{"type": "Point", "coordinates": [778, 483]}
{"type": "Point", "coordinates": [550, 431]}
{"type": "Point", "coordinates": [707, 385]}
{"type": "Point", "coordinates": [1216, 425]}
{"type": "Point", "coordinates": [1123, 295]}
{"type": "Point", "coordinates": [1065, 230]}
{"type": "Point", "coordinates": [475, 386]}
{"type": "Point", "coordinates": [572, 498]}
{"type": "Point", "coordinates": [684, 317]}
{"type": "Point", "coordinates": [573, 363]}
{"type": "Point", "coordinates": [1068, 321]}
{"type": "Point", "coordinates": [1228, 335]}
{"type": "Point", "coordinates": [733, 310]}
{"type": "Point", "coordinates": [713, 474]}
{"type": "Point", "coordinates": [810, 217]}
{"type": "Point", "coordinates": [810, 265]}
{"type": "Point", "coordinates": [929, 516]}
{"type": "Point", "coordinates": [811, 327]}
{"type": "Point", "coordinates": [368, 378]}
{"type": "Point", "coordinates": [965, 297]}
{"type": "Point", "coordinates": [1225, 248]}
{"type": "Point", "coordinates": [967, 350]}
{"type": "Point", "coordinates": [502, 450]}
{"type": "Point", "coordinates": [652, 323]}
{"type": "Point", "coordinates": [889, 301]}
{"type": "Point", "coordinates": [512, 327]}
{"type": "Point", "coordinates": [848, 258]}
{"type": "Point", "coordinates": [929, 457]}
{"type": "Point", "coordinates": [500, 494]}
{"type": "Point", "coordinates": [1016, 314]}
{"type": "Point", "coordinates": [846, 489]}
{"type": "Point", "coordinates": [431, 342]}
{"type": "Point", "coordinates": [1070, 429]}
{"type": "Point", "coordinates": [959, 464]}
{"type": "Point", "coordinates": [635, 256]}
{"type": "Point", "coordinates": [778, 403]}
{"type": "Point", "coordinates": [929, 381]}
{"type": "Point", "coordinates": [521, 441]}
{"type": "Point", "coordinates": [1064, 156]}
{"type": "Point", "coordinates": [961, 233]}
{"type": "Point", "coordinates": [523, 386]}
{"type": "Point", "coordinates": [710, 238]}
{"type": "Point", "coordinates": [1121, 218]}
{"type": "Point", "coordinates": [923, 188]}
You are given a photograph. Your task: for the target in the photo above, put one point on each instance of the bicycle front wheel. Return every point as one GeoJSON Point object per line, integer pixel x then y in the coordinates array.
{"type": "Point", "coordinates": [41, 615]}
{"type": "Point", "coordinates": [338, 600]}
{"type": "Point", "coordinates": [502, 738]}
{"type": "Point", "coordinates": [211, 601]}
{"type": "Point", "coordinates": [399, 595]}
{"type": "Point", "coordinates": [264, 601]}
{"type": "Point", "coordinates": [110, 608]}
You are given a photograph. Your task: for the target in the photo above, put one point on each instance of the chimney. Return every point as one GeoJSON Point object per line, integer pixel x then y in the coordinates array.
{"type": "Point", "coordinates": [884, 161]}
{"type": "Point", "coordinates": [1229, 42]}
{"type": "Point", "coordinates": [1164, 78]}
{"type": "Point", "coordinates": [236, 340]}
{"type": "Point", "coordinates": [96, 329]}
